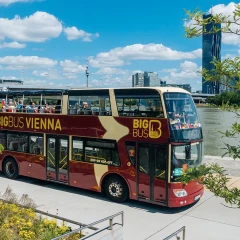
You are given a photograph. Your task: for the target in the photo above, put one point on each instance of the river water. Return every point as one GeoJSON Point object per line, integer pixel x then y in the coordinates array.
{"type": "Point", "coordinates": [214, 120]}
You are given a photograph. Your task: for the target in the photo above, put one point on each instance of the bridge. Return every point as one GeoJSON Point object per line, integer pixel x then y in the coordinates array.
{"type": "Point", "coordinates": [201, 97]}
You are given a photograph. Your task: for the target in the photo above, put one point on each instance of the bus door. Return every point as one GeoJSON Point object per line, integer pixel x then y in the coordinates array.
{"type": "Point", "coordinates": [152, 172]}
{"type": "Point", "coordinates": [57, 158]}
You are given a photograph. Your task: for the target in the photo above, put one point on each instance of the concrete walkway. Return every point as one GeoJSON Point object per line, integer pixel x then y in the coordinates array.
{"type": "Point", "coordinates": [208, 219]}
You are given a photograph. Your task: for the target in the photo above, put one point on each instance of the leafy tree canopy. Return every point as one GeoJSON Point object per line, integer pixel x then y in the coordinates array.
{"type": "Point", "coordinates": [227, 73]}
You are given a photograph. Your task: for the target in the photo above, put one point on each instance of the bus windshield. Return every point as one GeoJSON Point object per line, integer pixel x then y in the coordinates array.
{"type": "Point", "coordinates": [183, 117]}
{"type": "Point", "coordinates": [185, 156]}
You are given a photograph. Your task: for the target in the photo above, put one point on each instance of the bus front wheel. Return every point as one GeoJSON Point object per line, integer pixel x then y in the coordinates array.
{"type": "Point", "coordinates": [10, 168]}
{"type": "Point", "coordinates": [116, 189]}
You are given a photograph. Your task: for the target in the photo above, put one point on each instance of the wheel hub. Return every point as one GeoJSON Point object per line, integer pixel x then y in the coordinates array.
{"type": "Point", "coordinates": [115, 189]}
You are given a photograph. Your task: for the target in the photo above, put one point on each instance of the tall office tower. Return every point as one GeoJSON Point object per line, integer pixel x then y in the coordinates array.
{"type": "Point", "coordinates": [138, 80]}
{"type": "Point", "coordinates": [211, 47]}
{"type": "Point", "coordinates": [151, 79]}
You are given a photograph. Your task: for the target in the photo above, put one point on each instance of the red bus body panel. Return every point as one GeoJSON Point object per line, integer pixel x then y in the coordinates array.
{"type": "Point", "coordinates": [85, 175]}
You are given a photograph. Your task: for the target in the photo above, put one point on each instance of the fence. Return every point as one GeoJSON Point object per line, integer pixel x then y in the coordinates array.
{"type": "Point", "coordinates": [91, 226]}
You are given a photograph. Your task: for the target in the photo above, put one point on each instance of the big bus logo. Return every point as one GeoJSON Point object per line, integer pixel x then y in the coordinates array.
{"type": "Point", "coordinates": [147, 128]}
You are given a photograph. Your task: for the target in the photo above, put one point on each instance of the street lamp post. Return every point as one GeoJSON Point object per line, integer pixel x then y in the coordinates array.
{"type": "Point", "coordinates": [87, 74]}
{"type": "Point", "coordinates": [49, 75]}
{"type": "Point", "coordinates": [21, 70]}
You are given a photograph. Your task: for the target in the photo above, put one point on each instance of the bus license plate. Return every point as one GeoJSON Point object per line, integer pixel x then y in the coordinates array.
{"type": "Point", "coordinates": [197, 197]}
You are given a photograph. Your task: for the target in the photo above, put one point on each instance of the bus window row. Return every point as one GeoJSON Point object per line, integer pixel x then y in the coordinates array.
{"type": "Point", "coordinates": [89, 105]}
{"type": "Point", "coordinates": [21, 142]}
{"type": "Point", "coordinates": [139, 103]}
{"type": "Point", "coordinates": [101, 152]}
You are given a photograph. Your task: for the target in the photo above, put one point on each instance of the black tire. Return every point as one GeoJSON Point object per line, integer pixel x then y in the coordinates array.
{"type": "Point", "coordinates": [116, 189]}
{"type": "Point", "coordinates": [10, 168]}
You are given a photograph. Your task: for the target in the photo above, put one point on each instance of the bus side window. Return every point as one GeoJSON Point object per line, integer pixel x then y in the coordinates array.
{"type": "Point", "coordinates": [3, 139]}
{"type": "Point", "coordinates": [160, 162]}
{"type": "Point", "coordinates": [77, 153]}
{"type": "Point", "coordinates": [36, 145]}
{"type": "Point", "coordinates": [144, 160]}
{"type": "Point", "coordinates": [131, 149]}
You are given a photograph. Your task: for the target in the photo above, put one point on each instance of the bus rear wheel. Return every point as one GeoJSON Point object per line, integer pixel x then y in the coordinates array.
{"type": "Point", "coordinates": [10, 168]}
{"type": "Point", "coordinates": [116, 189]}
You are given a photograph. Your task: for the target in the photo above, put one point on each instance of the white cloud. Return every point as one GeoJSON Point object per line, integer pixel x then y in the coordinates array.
{"type": "Point", "coordinates": [225, 10]}
{"type": "Point", "coordinates": [188, 71]}
{"type": "Point", "coordinates": [52, 74]}
{"type": "Point", "coordinates": [137, 71]}
{"type": "Point", "coordinates": [14, 62]}
{"type": "Point", "coordinates": [9, 77]}
{"type": "Point", "coordinates": [8, 2]}
{"type": "Point", "coordinates": [188, 66]}
{"type": "Point", "coordinates": [109, 81]}
{"type": "Point", "coordinates": [38, 27]}
{"type": "Point", "coordinates": [169, 70]}
{"type": "Point", "coordinates": [40, 74]}
{"type": "Point", "coordinates": [184, 74]}
{"type": "Point", "coordinates": [119, 56]}
{"type": "Point", "coordinates": [36, 82]}
{"type": "Point", "coordinates": [108, 70]}
{"type": "Point", "coordinates": [73, 33]}
{"type": "Point", "coordinates": [69, 66]}
{"type": "Point", "coordinates": [12, 45]}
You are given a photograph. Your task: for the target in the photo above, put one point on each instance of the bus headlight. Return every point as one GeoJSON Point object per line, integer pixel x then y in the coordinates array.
{"type": "Point", "coordinates": [180, 192]}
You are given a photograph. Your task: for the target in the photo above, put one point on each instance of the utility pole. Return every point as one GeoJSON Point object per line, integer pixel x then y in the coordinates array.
{"type": "Point", "coordinates": [21, 70]}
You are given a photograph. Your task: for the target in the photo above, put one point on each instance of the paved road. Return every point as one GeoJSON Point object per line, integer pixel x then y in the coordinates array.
{"type": "Point", "coordinates": [231, 166]}
{"type": "Point", "coordinates": [208, 219]}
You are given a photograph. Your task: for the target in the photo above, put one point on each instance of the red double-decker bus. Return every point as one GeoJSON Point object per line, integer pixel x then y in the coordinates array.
{"type": "Point", "coordinates": [127, 143]}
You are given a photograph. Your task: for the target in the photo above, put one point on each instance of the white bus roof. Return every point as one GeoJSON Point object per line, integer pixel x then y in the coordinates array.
{"type": "Point", "coordinates": [162, 89]}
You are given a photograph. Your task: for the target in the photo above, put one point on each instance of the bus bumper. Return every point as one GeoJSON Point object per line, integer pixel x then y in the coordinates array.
{"type": "Point", "coordinates": [183, 201]}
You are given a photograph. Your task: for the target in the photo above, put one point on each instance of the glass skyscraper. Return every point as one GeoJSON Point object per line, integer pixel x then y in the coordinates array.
{"type": "Point", "coordinates": [211, 47]}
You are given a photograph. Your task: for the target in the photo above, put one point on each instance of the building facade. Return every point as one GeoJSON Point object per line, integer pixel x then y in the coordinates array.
{"type": "Point", "coordinates": [151, 79]}
{"type": "Point", "coordinates": [211, 48]}
{"type": "Point", "coordinates": [146, 79]}
{"type": "Point", "coordinates": [138, 80]}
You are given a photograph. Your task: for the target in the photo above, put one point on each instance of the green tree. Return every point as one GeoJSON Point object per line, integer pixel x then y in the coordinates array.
{"type": "Point", "coordinates": [226, 73]}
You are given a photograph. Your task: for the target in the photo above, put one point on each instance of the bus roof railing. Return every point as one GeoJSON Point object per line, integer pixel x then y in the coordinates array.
{"type": "Point", "coordinates": [50, 92]}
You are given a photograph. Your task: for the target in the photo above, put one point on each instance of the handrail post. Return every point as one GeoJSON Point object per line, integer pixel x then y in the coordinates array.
{"type": "Point", "coordinates": [122, 218]}
{"type": "Point", "coordinates": [80, 230]}
{"type": "Point", "coordinates": [110, 224]}
{"type": "Point", "coordinates": [184, 233]}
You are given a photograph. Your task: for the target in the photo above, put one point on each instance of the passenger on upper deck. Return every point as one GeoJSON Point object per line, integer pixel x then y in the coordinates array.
{"type": "Point", "coordinates": [19, 107]}
{"type": "Point", "coordinates": [11, 107]}
{"type": "Point", "coordinates": [85, 105]}
{"type": "Point", "coordinates": [58, 106]}
{"type": "Point", "coordinates": [86, 109]}
{"type": "Point", "coordinates": [32, 108]}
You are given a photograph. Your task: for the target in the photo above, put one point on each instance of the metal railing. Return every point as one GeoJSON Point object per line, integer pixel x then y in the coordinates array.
{"type": "Point", "coordinates": [90, 226]}
{"type": "Point", "coordinates": [175, 234]}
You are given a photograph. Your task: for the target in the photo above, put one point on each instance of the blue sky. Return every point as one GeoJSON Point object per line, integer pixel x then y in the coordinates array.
{"type": "Point", "coordinates": [48, 42]}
